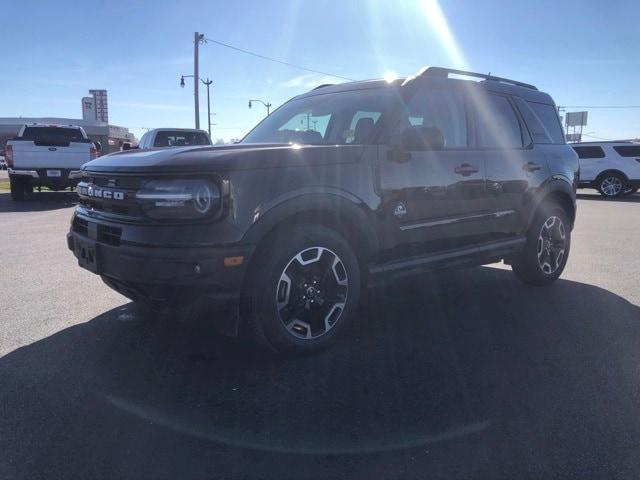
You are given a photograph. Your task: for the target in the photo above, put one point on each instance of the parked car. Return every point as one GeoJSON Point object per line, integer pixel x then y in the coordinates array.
{"type": "Point", "coordinates": [174, 137]}
{"type": "Point", "coordinates": [47, 156]}
{"type": "Point", "coordinates": [613, 168]}
{"type": "Point", "coordinates": [340, 188]}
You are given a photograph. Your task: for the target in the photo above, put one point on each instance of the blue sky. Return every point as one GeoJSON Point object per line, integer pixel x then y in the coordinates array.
{"type": "Point", "coordinates": [581, 52]}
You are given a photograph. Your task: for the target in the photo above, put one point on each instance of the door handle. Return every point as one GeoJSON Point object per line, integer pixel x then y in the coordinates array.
{"type": "Point", "coordinates": [531, 166]}
{"type": "Point", "coordinates": [465, 169]}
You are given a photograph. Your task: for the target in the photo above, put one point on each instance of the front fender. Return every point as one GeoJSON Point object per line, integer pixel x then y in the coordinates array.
{"type": "Point", "coordinates": [316, 205]}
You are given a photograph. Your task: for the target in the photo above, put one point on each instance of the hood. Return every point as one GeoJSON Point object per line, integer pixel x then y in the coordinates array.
{"type": "Point", "coordinates": [218, 158]}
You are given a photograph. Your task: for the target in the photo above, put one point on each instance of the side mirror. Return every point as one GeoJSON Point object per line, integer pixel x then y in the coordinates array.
{"type": "Point", "coordinates": [126, 146]}
{"type": "Point", "coordinates": [98, 146]}
{"type": "Point", "coordinates": [422, 138]}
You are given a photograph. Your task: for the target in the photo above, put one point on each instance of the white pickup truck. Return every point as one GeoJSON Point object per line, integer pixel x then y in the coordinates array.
{"type": "Point", "coordinates": [47, 156]}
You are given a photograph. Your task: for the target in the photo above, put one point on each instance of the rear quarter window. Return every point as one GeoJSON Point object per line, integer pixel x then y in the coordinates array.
{"type": "Point", "coordinates": [628, 150]}
{"type": "Point", "coordinates": [548, 116]}
{"type": "Point", "coordinates": [589, 152]}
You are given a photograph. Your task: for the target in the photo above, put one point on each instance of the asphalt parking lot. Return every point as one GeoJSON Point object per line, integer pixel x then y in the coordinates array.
{"type": "Point", "coordinates": [464, 374]}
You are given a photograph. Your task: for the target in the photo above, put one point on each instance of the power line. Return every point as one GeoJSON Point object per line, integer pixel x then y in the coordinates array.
{"type": "Point", "coordinates": [282, 62]}
{"type": "Point", "coordinates": [599, 106]}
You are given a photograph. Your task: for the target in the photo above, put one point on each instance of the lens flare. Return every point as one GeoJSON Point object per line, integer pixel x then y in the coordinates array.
{"type": "Point", "coordinates": [438, 22]}
{"type": "Point", "coordinates": [389, 77]}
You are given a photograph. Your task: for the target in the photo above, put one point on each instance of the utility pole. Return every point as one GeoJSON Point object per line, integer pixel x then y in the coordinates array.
{"type": "Point", "coordinates": [197, 38]}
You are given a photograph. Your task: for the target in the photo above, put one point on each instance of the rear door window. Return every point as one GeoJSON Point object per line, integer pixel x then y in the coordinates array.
{"type": "Point", "coordinates": [589, 152]}
{"type": "Point", "coordinates": [628, 150]}
{"type": "Point", "coordinates": [170, 138]}
{"type": "Point", "coordinates": [443, 110]}
{"type": "Point", "coordinates": [53, 136]}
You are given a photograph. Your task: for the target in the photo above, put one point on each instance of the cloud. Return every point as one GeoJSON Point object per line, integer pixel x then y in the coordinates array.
{"type": "Point", "coordinates": [152, 106]}
{"type": "Point", "coordinates": [308, 80]}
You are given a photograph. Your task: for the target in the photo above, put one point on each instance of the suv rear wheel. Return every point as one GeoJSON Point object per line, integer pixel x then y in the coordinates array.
{"type": "Point", "coordinates": [303, 290]}
{"type": "Point", "coordinates": [611, 185]}
{"type": "Point", "coordinates": [546, 250]}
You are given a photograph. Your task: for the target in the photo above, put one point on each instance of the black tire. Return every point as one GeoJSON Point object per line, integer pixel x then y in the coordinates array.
{"type": "Point", "coordinates": [296, 317]}
{"type": "Point", "coordinates": [611, 185]}
{"type": "Point", "coordinates": [531, 266]}
{"type": "Point", "coordinates": [631, 190]}
{"type": "Point", "coordinates": [18, 189]}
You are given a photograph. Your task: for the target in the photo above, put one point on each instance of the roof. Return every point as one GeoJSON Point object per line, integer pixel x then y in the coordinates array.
{"type": "Point", "coordinates": [608, 142]}
{"type": "Point", "coordinates": [439, 75]}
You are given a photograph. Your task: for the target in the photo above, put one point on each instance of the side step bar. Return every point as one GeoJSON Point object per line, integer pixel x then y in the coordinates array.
{"type": "Point", "coordinates": [479, 252]}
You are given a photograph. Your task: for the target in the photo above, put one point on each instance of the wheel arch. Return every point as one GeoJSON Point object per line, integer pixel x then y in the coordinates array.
{"type": "Point", "coordinates": [609, 171]}
{"type": "Point", "coordinates": [558, 191]}
{"type": "Point", "coordinates": [335, 209]}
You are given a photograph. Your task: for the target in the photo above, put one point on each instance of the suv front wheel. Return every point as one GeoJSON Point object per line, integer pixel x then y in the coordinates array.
{"type": "Point", "coordinates": [546, 250]}
{"type": "Point", "coordinates": [303, 290]}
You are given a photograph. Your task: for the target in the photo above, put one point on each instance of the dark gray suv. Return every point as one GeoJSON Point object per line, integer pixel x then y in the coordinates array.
{"type": "Point", "coordinates": [340, 188]}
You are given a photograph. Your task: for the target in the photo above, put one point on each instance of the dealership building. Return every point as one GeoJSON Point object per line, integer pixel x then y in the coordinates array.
{"type": "Point", "coordinates": [94, 121]}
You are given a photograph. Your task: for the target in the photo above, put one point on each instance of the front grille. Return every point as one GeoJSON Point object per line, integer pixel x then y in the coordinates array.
{"type": "Point", "coordinates": [125, 187]}
{"type": "Point", "coordinates": [81, 226]}
{"type": "Point", "coordinates": [109, 235]}
{"type": "Point", "coordinates": [103, 233]}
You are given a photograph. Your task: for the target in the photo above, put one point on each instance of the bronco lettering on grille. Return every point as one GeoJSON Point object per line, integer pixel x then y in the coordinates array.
{"type": "Point", "coordinates": [95, 192]}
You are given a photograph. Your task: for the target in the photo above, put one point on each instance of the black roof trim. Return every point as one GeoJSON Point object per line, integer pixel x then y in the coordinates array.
{"type": "Point", "coordinates": [444, 73]}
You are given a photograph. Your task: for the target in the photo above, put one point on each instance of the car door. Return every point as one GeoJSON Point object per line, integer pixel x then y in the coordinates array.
{"type": "Point", "coordinates": [432, 199]}
{"type": "Point", "coordinates": [515, 166]}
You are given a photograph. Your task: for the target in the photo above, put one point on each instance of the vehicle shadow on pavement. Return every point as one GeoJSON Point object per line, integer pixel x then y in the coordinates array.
{"type": "Point", "coordinates": [38, 202]}
{"type": "Point", "coordinates": [460, 374]}
{"type": "Point", "coordinates": [634, 198]}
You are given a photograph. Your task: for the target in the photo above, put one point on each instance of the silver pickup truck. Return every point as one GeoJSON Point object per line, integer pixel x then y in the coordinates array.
{"type": "Point", "coordinates": [47, 156]}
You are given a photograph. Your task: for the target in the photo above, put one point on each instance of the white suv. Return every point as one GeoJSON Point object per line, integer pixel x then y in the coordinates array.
{"type": "Point", "coordinates": [613, 168]}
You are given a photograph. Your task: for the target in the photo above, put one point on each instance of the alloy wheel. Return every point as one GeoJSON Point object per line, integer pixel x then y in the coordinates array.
{"type": "Point", "coordinates": [611, 186]}
{"type": "Point", "coordinates": [312, 293]}
{"type": "Point", "coordinates": [551, 245]}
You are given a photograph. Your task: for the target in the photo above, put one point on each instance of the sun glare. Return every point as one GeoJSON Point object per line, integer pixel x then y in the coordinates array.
{"type": "Point", "coordinates": [438, 22]}
{"type": "Point", "coordinates": [389, 77]}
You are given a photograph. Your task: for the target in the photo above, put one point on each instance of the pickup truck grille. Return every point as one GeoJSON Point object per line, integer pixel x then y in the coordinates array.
{"type": "Point", "coordinates": [111, 195]}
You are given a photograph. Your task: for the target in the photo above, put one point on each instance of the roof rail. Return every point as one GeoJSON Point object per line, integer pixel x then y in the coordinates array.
{"type": "Point", "coordinates": [322, 86]}
{"type": "Point", "coordinates": [444, 72]}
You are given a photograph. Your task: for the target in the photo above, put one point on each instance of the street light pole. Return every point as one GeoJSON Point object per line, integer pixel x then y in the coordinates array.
{"type": "Point", "coordinates": [207, 83]}
{"type": "Point", "coordinates": [266, 104]}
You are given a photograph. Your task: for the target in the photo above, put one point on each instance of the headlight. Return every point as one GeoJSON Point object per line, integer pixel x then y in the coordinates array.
{"type": "Point", "coordinates": [179, 199]}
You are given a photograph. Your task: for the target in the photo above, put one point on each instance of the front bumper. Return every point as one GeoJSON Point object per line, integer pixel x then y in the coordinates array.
{"type": "Point", "coordinates": [177, 274]}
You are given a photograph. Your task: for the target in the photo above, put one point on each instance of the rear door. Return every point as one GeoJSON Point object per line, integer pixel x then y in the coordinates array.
{"type": "Point", "coordinates": [51, 147]}
{"type": "Point", "coordinates": [515, 166]}
{"type": "Point", "coordinates": [433, 199]}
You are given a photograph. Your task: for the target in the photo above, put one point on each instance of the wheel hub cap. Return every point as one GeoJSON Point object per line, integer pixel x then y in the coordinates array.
{"type": "Point", "coordinates": [312, 293]}
{"type": "Point", "coordinates": [611, 186]}
{"type": "Point", "coordinates": [551, 245]}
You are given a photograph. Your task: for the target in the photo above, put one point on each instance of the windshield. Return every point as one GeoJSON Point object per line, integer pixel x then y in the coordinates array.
{"type": "Point", "coordinates": [330, 119]}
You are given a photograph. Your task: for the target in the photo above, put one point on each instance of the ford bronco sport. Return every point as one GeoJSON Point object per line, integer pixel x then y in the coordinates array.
{"type": "Point", "coordinates": [337, 189]}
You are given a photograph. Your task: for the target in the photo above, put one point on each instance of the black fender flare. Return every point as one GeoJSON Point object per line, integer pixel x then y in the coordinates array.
{"type": "Point", "coordinates": [559, 188]}
{"type": "Point", "coordinates": [320, 205]}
